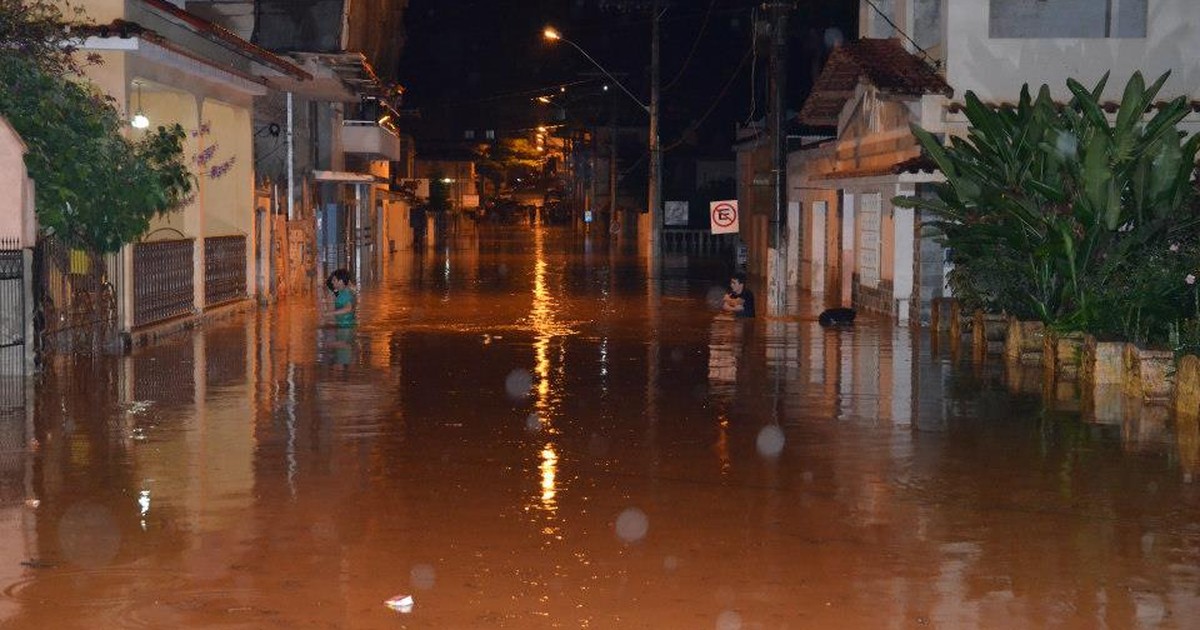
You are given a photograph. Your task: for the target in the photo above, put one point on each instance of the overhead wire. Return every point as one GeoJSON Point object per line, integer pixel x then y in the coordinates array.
{"type": "Point", "coordinates": [695, 46]}
{"type": "Point", "coordinates": [696, 124]}
{"type": "Point", "coordinates": [753, 66]}
{"type": "Point", "coordinates": [924, 53]}
{"type": "Point", "coordinates": [504, 95]}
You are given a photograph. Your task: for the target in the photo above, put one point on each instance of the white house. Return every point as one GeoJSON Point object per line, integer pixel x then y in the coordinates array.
{"type": "Point", "coordinates": [912, 63]}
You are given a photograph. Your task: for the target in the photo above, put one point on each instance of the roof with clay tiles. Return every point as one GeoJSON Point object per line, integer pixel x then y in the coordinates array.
{"type": "Point", "coordinates": [883, 63]}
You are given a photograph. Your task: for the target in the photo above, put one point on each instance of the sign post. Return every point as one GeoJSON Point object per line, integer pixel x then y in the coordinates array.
{"type": "Point", "coordinates": [723, 216]}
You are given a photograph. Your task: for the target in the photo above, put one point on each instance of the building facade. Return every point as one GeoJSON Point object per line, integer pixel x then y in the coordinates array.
{"type": "Point", "coordinates": [169, 66]}
{"type": "Point", "coordinates": [912, 64]}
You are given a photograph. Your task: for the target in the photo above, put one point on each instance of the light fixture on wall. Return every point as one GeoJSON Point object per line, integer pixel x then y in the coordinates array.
{"type": "Point", "coordinates": [139, 120]}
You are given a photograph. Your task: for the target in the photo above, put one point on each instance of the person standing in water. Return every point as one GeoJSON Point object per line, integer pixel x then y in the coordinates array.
{"type": "Point", "coordinates": [345, 301]}
{"type": "Point", "coordinates": [739, 300]}
{"type": "Point", "coordinates": [345, 316]}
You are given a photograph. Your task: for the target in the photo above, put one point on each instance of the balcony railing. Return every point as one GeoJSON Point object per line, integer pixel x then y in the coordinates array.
{"type": "Point", "coordinates": [370, 138]}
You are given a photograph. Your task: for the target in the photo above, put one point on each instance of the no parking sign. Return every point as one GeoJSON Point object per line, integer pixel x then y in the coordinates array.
{"type": "Point", "coordinates": [723, 216]}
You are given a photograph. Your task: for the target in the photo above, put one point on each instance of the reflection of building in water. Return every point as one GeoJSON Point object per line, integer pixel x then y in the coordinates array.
{"type": "Point", "coordinates": [1187, 437]}
{"type": "Point", "coordinates": [724, 348]}
{"type": "Point", "coordinates": [875, 375]}
{"type": "Point", "coordinates": [18, 532]}
{"type": "Point", "coordinates": [933, 372]}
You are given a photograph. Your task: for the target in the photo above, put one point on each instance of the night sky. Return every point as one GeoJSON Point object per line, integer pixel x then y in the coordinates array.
{"type": "Point", "coordinates": [479, 63]}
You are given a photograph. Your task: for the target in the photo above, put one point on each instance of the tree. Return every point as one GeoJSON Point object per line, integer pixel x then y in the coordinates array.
{"type": "Point", "coordinates": [34, 30]}
{"type": "Point", "coordinates": [506, 158]}
{"type": "Point", "coordinates": [96, 189]}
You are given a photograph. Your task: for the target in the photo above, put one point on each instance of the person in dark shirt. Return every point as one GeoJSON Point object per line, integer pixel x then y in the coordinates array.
{"type": "Point", "coordinates": [739, 300]}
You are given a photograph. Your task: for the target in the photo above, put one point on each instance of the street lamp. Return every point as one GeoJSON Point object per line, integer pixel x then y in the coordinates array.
{"type": "Point", "coordinates": [139, 119]}
{"type": "Point", "coordinates": [553, 35]}
{"type": "Point", "coordinates": [655, 183]}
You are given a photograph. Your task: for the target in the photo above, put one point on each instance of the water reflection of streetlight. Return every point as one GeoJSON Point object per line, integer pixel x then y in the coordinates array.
{"type": "Point", "coordinates": [545, 327]}
{"type": "Point", "coordinates": [549, 468]}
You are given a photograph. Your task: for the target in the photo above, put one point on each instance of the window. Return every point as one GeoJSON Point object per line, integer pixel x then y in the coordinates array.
{"type": "Point", "coordinates": [878, 26]}
{"type": "Point", "coordinates": [1044, 19]}
{"type": "Point", "coordinates": [927, 23]}
{"type": "Point", "coordinates": [490, 134]}
{"type": "Point", "coordinates": [469, 134]}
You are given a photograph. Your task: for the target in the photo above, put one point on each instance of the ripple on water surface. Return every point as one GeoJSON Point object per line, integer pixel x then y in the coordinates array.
{"type": "Point", "coordinates": [139, 597]}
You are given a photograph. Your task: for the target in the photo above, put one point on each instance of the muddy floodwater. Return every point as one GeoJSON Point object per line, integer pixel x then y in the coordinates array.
{"type": "Point", "coordinates": [531, 428]}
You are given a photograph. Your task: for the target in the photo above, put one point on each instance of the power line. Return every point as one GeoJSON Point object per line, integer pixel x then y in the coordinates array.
{"type": "Point", "coordinates": [696, 125]}
{"type": "Point", "coordinates": [924, 53]}
{"type": "Point", "coordinates": [753, 66]}
{"type": "Point", "coordinates": [695, 46]}
{"type": "Point", "coordinates": [504, 95]}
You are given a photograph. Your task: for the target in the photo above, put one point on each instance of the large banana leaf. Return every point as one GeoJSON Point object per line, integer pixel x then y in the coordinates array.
{"type": "Point", "coordinates": [1067, 198]}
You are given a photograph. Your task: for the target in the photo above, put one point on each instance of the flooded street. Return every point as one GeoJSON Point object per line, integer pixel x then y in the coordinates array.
{"type": "Point", "coordinates": [527, 431]}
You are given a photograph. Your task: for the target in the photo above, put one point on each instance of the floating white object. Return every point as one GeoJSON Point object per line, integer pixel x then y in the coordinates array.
{"type": "Point", "coordinates": [400, 603]}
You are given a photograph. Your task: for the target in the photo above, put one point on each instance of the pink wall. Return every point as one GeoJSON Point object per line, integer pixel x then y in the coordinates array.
{"type": "Point", "coordinates": [16, 190]}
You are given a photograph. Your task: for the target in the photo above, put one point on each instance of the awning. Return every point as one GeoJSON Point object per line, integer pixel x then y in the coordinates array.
{"type": "Point", "coordinates": [345, 177]}
{"type": "Point", "coordinates": [915, 170]}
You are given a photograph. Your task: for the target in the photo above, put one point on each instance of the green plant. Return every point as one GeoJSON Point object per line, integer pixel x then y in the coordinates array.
{"type": "Point", "coordinates": [1076, 207]}
{"type": "Point", "coordinates": [33, 30]}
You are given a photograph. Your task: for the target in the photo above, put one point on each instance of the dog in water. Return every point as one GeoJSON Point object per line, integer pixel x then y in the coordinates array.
{"type": "Point", "coordinates": [836, 317]}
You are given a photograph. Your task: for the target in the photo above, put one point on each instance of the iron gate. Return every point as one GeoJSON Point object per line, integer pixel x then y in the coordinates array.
{"type": "Point", "coordinates": [76, 303]}
{"type": "Point", "coordinates": [12, 321]}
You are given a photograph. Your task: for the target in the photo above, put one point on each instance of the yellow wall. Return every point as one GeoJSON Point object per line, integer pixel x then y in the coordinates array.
{"type": "Point", "coordinates": [102, 11]}
{"type": "Point", "coordinates": [164, 107]}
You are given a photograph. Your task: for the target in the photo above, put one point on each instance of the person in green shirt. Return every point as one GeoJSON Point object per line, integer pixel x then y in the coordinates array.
{"type": "Point", "coordinates": [345, 301]}
{"type": "Point", "coordinates": [345, 318]}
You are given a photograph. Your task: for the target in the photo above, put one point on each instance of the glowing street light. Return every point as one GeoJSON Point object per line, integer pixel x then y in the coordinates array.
{"type": "Point", "coordinates": [553, 35]}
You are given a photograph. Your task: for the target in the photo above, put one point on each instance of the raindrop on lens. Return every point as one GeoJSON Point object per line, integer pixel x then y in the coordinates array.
{"type": "Point", "coordinates": [670, 563]}
{"type": "Point", "coordinates": [502, 270]}
{"type": "Point", "coordinates": [632, 525]}
{"type": "Point", "coordinates": [423, 576]}
{"type": "Point", "coordinates": [729, 620]}
{"type": "Point", "coordinates": [518, 384]}
{"type": "Point", "coordinates": [533, 423]}
{"type": "Point", "coordinates": [770, 441]}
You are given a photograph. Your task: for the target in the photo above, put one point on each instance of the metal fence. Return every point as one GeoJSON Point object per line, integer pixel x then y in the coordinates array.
{"type": "Point", "coordinates": [12, 326]}
{"type": "Point", "coordinates": [12, 295]}
{"type": "Point", "coordinates": [224, 269]}
{"type": "Point", "coordinates": [696, 241]}
{"type": "Point", "coordinates": [162, 280]}
{"type": "Point", "coordinates": [13, 427]}
{"type": "Point", "coordinates": [75, 299]}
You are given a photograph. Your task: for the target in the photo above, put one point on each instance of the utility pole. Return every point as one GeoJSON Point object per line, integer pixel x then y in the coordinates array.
{"type": "Point", "coordinates": [655, 184]}
{"type": "Point", "coordinates": [777, 272]}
